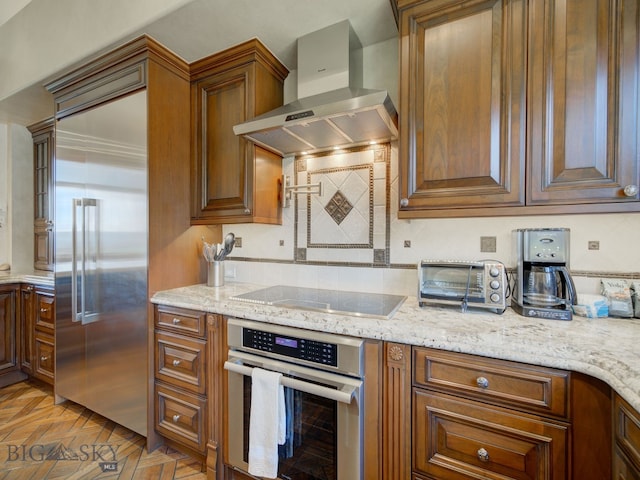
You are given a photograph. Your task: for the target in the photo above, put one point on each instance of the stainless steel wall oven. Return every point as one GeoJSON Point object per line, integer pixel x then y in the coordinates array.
{"type": "Point", "coordinates": [323, 380]}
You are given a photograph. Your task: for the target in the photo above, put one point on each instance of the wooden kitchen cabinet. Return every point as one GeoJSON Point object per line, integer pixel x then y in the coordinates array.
{"type": "Point", "coordinates": [9, 334]}
{"type": "Point", "coordinates": [476, 417]}
{"type": "Point", "coordinates": [37, 338]}
{"type": "Point", "coordinates": [180, 376]}
{"type": "Point", "coordinates": [513, 107]}
{"type": "Point", "coordinates": [626, 460]}
{"type": "Point", "coordinates": [233, 180]}
{"type": "Point", "coordinates": [43, 156]}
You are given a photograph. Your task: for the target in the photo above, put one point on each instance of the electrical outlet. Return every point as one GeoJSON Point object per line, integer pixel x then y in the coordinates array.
{"type": "Point", "coordinates": [488, 244]}
{"type": "Point", "coordinates": [593, 245]}
{"type": "Point", "coordinates": [282, 243]}
{"type": "Point", "coordinates": [407, 244]}
{"type": "Point", "coordinates": [238, 242]}
{"type": "Point", "coordinates": [230, 272]}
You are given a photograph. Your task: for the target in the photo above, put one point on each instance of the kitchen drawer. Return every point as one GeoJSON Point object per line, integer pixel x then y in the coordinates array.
{"type": "Point", "coordinates": [460, 439]}
{"type": "Point", "coordinates": [181, 361]}
{"type": "Point", "coordinates": [44, 361]}
{"type": "Point", "coordinates": [181, 320]}
{"type": "Point", "coordinates": [623, 469]}
{"type": "Point", "coordinates": [627, 429]}
{"type": "Point", "coordinates": [181, 417]}
{"type": "Point", "coordinates": [45, 319]}
{"type": "Point", "coordinates": [528, 387]}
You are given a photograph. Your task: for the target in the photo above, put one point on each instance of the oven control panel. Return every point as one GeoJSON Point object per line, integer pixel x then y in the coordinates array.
{"type": "Point", "coordinates": [323, 353]}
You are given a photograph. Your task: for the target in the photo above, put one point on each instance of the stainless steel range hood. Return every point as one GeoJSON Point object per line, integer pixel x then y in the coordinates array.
{"type": "Point", "coordinates": [332, 110]}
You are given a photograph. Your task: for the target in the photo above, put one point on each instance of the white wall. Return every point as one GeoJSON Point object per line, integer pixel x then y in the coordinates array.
{"type": "Point", "coordinates": [16, 197]}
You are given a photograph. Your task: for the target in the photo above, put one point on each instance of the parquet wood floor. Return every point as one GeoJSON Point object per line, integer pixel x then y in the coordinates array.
{"type": "Point", "coordinates": [40, 440]}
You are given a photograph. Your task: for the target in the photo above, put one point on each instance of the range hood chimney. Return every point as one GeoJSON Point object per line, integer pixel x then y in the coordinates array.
{"type": "Point", "coordinates": [332, 110]}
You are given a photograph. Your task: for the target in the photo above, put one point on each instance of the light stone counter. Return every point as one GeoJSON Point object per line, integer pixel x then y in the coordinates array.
{"type": "Point", "coordinates": [608, 349]}
{"type": "Point", "coordinates": [34, 277]}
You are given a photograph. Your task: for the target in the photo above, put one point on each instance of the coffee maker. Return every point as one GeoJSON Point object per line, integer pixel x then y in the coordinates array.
{"type": "Point", "coordinates": [543, 286]}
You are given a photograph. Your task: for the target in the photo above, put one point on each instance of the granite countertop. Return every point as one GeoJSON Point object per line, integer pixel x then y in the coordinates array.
{"type": "Point", "coordinates": [605, 348]}
{"type": "Point", "coordinates": [35, 277]}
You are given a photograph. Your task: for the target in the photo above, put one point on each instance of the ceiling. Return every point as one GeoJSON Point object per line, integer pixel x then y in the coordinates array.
{"type": "Point", "coordinates": [202, 27]}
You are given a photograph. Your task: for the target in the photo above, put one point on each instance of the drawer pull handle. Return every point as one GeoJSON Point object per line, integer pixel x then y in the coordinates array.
{"type": "Point", "coordinates": [482, 382]}
{"type": "Point", "coordinates": [176, 321]}
{"type": "Point", "coordinates": [176, 363]}
{"type": "Point", "coordinates": [176, 418]}
{"type": "Point", "coordinates": [483, 455]}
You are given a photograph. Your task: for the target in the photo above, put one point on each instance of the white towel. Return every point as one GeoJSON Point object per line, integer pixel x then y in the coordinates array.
{"type": "Point", "coordinates": [267, 422]}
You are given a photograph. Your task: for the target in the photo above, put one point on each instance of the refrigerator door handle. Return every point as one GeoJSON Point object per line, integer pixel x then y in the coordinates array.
{"type": "Point", "coordinates": [76, 316]}
{"type": "Point", "coordinates": [82, 255]}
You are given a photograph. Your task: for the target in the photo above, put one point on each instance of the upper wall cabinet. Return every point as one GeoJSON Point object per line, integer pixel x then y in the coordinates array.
{"type": "Point", "coordinates": [513, 107]}
{"type": "Point", "coordinates": [43, 155]}
{"type": "Point", "coordinates": [233, 180]}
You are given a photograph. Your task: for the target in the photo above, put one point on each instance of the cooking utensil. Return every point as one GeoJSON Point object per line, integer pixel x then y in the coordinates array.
{"type": "Point", "coordinates": [229, 242]}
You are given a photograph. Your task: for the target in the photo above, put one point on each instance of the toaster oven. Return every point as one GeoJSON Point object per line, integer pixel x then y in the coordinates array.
{"type": "Point", "coordinates": [481, 284]}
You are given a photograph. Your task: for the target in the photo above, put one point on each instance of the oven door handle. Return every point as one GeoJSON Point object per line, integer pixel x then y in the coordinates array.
{"type": "Point", "coordinates": [344, 394]}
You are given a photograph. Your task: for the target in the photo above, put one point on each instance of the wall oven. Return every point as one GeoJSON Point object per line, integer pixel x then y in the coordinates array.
{"type": "Point", "coordinates": [323, 380]}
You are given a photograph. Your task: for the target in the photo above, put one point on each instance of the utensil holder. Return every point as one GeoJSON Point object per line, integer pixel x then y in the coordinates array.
{"type": "Point", "coordinates": [215, 274]}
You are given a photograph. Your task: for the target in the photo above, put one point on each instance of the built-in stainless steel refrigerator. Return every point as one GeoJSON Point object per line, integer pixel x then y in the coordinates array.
{"type": "Point", "coordinates": [101, 238]}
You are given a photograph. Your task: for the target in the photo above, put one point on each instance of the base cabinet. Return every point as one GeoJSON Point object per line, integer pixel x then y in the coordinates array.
{"type": "Point", "coordinates": [482, 418]}
{"type": "Point", "coordinates": [37, 332]}
{"type": "Point", "coordinates": [626, 457]}
{"type": "Point", "coordinates": [9, 334]}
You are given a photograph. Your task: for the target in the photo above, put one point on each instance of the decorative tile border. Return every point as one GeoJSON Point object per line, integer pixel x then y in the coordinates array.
{"type": "Point", "coordinates": [350, 225]}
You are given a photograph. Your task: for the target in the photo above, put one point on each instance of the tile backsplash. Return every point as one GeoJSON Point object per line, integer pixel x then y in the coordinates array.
{"type": "Point", "coordinates": [365, 247]}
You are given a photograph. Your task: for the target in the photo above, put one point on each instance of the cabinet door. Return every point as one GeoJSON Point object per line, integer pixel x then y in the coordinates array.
{"type": "Point", "coordinates": [43, 153]}
{"type": "Point", "coordinates": [462, 105]}
{"type": "Point", "coordinates": [27, 318]}
{"type": "Point", "coordinates": [583, 89]}
{"type": "Point", "coordinates": [460, 439]}
{"type": "Point", "coordinates": [623, 469]}
{"type": "Point", "coordinates": [222, 158]}
{"type": "Point", "coordinates": [8, 359]}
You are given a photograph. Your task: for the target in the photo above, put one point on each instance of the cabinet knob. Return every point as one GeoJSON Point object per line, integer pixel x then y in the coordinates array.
{"type": "Point", "coordinates": [483, 455]}
{"type": "Point", "coordinates": [176, 321]}
{"type": "Point", "coordinates": [482, 382]}
{"type": "Point", "coordinates": [176, 363]}
{"type": "Point", "coordinates": [44, 358]}
{"type": "Point", "coordinates": [176, 418]}
{"type": "Point", "coordinates": [43, 310]}
{"type": "Point", "coordinates": [631, 190]}
{"type": "Point", "coordinates": [404, 202]}
{"type": "Point", "coordinates": [247, 211]}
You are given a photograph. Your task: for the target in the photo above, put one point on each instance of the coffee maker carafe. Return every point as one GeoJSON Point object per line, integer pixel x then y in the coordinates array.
{"type": "Point", "coordinates": [543, 287]}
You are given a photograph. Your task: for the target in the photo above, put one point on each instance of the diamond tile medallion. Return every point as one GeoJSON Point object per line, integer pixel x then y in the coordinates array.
{"type": "Point", "coordinates": [349, 223]}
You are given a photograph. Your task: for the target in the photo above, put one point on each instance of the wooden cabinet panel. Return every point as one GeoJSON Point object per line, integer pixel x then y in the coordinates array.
{"type": "Point", "coordinates": [627, 432]}
{"type": "Point", "coordinates": [623, 469]}
{"type": "Point", "coordinates": [8, 332]}
{"type": "Point", "coordinates": [44, 358]}
{"type": "Point", "coordinates": [27, 324]}
{"type": "Point", "coordinates": [180, 320]}
{"type": "Point", "coordinates": [233, 180]}
{"type": "Point", "coordinates": [458, 439]}
{"type": "Point", "coordinates": [181, 417]}
{"type": "Point", "coordinates": [583, 100]}
{"type": "Point", "coordinates": [522, 386]}
{"type": "Point", "coordinates": [462, 104]}
{"type": "Point", "coordinates": [181, 361]}
{"type": "Point", "coordinates": [43, 171]}
{"type": "Point", "coordinates": [525, 107]}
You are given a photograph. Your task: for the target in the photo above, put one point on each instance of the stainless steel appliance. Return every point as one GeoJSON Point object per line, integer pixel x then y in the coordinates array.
{"type": "Point", "coordinates": [543, 285]}
{"type": "Point", "coordinates": [381, 305]}
{"type": "Point", "coordinates": [323, 378]}
{"type": "Point", "coordinates": [481, 284]}
{"type": "Point", "coordinates": [101, 213]}
{"type": "Point", "coordinates": [333, 110]}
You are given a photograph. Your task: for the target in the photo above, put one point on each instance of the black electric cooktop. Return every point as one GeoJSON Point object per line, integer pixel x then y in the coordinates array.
{"type": "Point", "coordinates": [331, 301]}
